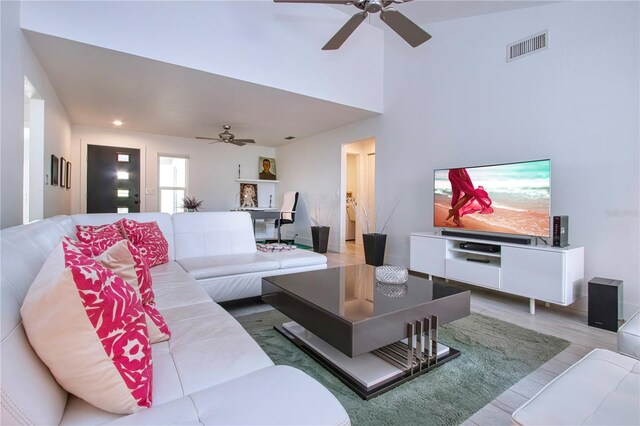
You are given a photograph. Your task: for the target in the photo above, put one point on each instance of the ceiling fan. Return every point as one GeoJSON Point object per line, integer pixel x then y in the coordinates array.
{"type": "Point", "coordinates": [403, 26]}
{"type": "Point", "coordinates": [227, 137]}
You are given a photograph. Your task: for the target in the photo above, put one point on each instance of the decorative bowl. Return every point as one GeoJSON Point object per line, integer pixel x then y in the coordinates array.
{"type": "Point", "coordinates": [392, 274]}
{"type": "Point", "coordinates": [391, 290]}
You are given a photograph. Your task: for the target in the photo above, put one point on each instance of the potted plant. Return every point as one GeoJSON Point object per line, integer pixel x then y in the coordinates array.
{"type": "Point", "coordinates": [374, 242]}
{"type": "Point", "coordinates": [321, 210]}
{"type": "Point", "coordinates": [191, 203]}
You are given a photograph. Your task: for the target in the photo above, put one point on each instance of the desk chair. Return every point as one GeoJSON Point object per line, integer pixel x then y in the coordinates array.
{"type": "Point", "coordinates": [287, 213]}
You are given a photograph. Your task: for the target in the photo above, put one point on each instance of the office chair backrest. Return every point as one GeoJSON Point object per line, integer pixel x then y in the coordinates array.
{"type": "Point", "coordinates": [289, 205]}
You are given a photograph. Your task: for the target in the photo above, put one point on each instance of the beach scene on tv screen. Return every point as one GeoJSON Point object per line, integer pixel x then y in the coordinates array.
{"type": "Point", "coordinates": [506, 198]}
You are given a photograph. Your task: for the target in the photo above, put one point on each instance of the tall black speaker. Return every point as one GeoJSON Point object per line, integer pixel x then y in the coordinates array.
{"type": "Point", "coordinates": [560, 231]}
{"type": "Point", "coordinates": [605, 303]}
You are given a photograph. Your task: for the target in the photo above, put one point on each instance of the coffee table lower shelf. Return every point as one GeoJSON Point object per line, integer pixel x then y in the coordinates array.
{"type": "Point", "coordinates": [368, 375]}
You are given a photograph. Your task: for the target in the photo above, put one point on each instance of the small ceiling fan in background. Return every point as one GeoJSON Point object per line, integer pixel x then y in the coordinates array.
{"type": "Point", "coordinates": [403, 26]}
{"type": "Point", "coordinates": [227, 137]}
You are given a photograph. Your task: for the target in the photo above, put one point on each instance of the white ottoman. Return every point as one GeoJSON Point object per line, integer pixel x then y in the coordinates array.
{"type": "Point", "coordinates": [603, 388]}
{"type": "Point", "coordinates": [629, 337]}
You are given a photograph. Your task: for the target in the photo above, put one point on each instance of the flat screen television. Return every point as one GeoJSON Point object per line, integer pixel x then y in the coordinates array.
{"type": "Point", "coordinates": [512, 198]}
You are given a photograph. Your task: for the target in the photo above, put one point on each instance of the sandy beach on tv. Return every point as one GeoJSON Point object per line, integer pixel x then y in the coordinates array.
{"type": "Point", "coordinates": [502, 220]}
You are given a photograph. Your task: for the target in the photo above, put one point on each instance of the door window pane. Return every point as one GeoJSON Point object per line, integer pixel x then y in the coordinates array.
{"type": "Point", "coordinates": [123, 175]}
{"type": "Point", "coordinates": [122, 193]}
{"type": "Point", "coordinates": [124, 158]}
{"type": "Point", "coordinates": [123, 210]}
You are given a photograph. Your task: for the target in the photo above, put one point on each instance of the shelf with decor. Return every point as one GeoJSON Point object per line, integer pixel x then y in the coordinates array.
{"type": "Point", "coordinates": [257, 181]}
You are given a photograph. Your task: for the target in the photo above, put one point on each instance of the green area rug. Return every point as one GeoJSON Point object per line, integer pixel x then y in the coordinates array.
{"type": "Point", "coordinates": [495, 355]}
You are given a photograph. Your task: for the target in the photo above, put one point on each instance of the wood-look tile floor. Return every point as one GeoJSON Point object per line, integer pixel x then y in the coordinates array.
{"type": "Point", "coordinates": [569, 323]}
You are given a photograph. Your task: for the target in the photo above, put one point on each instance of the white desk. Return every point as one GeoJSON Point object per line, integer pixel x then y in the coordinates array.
{"type": "Point", "coordinates": [259, 213]}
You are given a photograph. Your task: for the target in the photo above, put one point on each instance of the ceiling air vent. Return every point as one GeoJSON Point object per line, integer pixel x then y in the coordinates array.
{"type": "Point", "coordinates": [528, 45]}
{"type": "Point", "coordinates": [290, 137]}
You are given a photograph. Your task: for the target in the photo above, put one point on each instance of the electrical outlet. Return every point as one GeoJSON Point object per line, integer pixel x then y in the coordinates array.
{"type": "Point", "coordinates": [150, 191]}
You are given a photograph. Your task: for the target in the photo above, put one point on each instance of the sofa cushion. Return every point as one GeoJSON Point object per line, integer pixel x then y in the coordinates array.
{"type": "Point", "coordinates": [147, 237]}
{"type": "Point", "coordinates": [87, 324]}
{"type": "Point", "coordinates": [213, 233]}
{"type": "Point", "coordinates": [278, 395]}
{"type": "Point", "coordinates": [225, 265]}
{"type": "Point", "coordinates": [601, 388]}
{"type": "Point", "coordinates": [296, 258]}
{"type": "Point", "coordinates": [629, 336]}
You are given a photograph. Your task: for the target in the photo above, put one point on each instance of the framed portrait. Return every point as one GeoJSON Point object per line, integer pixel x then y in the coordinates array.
{"type": "Point", "coordinates": [68, 176]}
{"type": "Point", "coordinates": [248, 195]}
{"type": "Point", "coordinates": [54, 170]}
{"type": "Point", "coordinates": [267, 168]}
{"type": "Point", "coordinates": [63, 172]}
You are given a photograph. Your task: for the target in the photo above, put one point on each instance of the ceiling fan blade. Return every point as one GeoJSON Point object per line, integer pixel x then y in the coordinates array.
{"type": "Point", "coordinates": [316, 1]}
{"type": "Point", "coordinates": [244, 141]}
{"type": "Point", "coordinates": [237, 142]}
{"type": "Point", "coordinates": [343, 33]}
{"type": "Point", "coordinates": [404, 27]}
{"type": "Point", "coordinates": [208, 139]}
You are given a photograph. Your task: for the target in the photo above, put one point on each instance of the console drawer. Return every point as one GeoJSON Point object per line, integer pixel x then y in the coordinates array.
{"type": "Point", "coordinates": [481, 274]}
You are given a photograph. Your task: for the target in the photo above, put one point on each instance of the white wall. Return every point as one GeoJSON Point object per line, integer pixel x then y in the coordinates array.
{"type": "Point", "coordinates": [458, 103]}
{"type": "Point", "coordinates": [277, 45]}
{"type": "Point", "coordinates": [18, 61]}
{"type": "Point", "coordinates": [213, 168]}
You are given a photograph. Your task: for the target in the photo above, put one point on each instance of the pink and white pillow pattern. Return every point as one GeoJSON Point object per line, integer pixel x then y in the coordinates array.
{"type": "Point", "coordinates": [100, 237]}
{"type": "Point", "coordinates": [88, 326]}
{"type": "Point", "coordinates": [125, 261]}
{"type": "Point", "coordinates": [148, 238]}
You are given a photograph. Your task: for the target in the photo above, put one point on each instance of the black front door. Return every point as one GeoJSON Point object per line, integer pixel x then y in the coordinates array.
{"type": "Point", "coordinates": [113, 179]}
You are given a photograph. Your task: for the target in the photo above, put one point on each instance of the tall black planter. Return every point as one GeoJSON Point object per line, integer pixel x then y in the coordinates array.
{"type": "Point", "coordinates": [374, 248]}
{"type": "Point", "coordinates": [320, 237]}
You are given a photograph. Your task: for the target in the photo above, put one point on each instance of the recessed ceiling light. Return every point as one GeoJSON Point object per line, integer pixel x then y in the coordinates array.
{"type": "Point", "coordinates": [117, 123]}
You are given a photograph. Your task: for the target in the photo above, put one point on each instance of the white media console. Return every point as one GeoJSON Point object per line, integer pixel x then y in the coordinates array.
{"type": "Point", "coordinates": [550, 274]}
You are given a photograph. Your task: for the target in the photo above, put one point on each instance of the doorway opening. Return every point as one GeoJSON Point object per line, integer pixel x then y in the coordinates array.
{"type": "Point", "coordinates": [33, 177]}
{"type": "Point", "coordinates": [357, 198]}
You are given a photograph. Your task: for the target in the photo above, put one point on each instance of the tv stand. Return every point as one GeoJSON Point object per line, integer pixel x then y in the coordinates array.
{"type": "Point", "coordinates": [550, 274]}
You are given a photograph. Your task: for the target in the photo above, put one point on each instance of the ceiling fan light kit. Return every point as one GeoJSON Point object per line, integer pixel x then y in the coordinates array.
{"type": "Point", "coordinates": [227, 137]}
{"type": "Point", "coordinates": [400, 24]}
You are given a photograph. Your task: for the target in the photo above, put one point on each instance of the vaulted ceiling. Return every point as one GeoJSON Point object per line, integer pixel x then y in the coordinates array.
{"type": "Point", "coordinates": [98, 85]}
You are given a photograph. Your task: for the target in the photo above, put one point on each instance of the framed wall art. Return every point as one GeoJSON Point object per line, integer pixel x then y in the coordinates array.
{"type": "Point", "coordinates": [63, 172]}
{"type": "Point", "coordinates": [67, 179]}
{"type": "Point", "coordinates": [54, 170]}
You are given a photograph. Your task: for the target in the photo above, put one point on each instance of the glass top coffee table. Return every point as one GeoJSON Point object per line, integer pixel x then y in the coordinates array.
{"type": "Point", "coordinates": [371, 335]}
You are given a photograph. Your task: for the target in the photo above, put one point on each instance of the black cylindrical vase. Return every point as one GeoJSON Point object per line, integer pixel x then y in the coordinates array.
{"type": "Point", "coordinates": [320, 237]}
{"type": "Point", "coordinates": [374, 248]}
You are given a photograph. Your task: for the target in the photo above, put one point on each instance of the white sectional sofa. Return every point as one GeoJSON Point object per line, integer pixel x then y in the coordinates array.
{"type": "Point", "coordinates": [603, 388]}
{"type": "Point", "coordinates": [210, 372]}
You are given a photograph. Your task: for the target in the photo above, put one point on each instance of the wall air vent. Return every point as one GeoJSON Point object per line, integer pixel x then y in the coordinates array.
{"type": "Point", "coordinates": [528, 45]}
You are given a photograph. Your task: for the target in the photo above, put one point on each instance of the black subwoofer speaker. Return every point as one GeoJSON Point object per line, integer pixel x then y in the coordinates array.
{"type": "Point", "coordinates": [605, 303]}
{"type": "Point", "coordinates": [560, 231]}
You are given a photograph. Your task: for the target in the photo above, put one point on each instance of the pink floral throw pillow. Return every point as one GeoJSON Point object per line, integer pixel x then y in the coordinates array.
{"type": "Point", "coordinates": [125, 260]}
{"type": "Point", "coordinates": [147, 237]}
{"type": "Point", "coordinates": [88, 326]}
{"type": "Point", "coordinates": [100, 237]}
